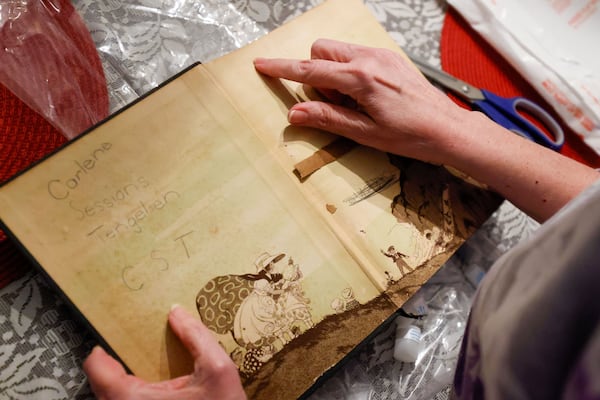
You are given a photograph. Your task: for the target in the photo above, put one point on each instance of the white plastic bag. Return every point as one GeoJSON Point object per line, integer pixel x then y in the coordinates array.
{"type": "Point", "coordinates": [553, 44]}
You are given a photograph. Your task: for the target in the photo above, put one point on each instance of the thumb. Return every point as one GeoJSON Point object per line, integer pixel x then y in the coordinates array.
{"type": "Point", "coordinates": [103, 372]}
{"type": "Point", "coordinates": [213, 369]}
{"type": "Point", "coordinates": [200, 342]}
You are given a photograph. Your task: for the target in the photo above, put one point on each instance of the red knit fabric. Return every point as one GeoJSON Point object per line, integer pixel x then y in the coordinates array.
{"type": "Point", "coordinates": [466, 55]}
{"type": "Point", "coordinates": [25, 136]}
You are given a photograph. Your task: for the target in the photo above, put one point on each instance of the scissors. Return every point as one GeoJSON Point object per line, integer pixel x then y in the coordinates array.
{"type": "Point", "coordinates": [502, 110]}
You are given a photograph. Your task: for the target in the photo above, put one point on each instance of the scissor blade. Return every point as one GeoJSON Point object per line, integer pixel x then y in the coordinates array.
{"type": "Point", "coordinates": [460, 88]}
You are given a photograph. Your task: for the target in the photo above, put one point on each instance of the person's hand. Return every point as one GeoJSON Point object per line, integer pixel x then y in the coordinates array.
{"type": "Point", "coordinates": [215, 375]}
{"type": "Point", "coordinates": [379, 99]}
{"type": "Point", "coordinates": [392, 106]}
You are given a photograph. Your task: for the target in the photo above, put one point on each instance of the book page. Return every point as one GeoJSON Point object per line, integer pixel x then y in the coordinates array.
{"type": "Point", "coordinates": [400, 219]}
{"type": "Point", "coordinates": [176, 201]}
{"type": "Point", "coordinates": [189, 197]}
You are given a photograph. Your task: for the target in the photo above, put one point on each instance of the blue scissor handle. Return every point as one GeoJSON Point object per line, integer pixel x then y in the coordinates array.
{"type": "Point", "coordinates": [504, 111]}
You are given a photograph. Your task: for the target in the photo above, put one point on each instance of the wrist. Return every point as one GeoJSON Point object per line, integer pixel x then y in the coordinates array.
{"type": "Point", "coordinates": [536, 179]}
{"type": "Point", "coordinates": [481, 149]}
{"type": "Point", "coordinates": [459, 137]}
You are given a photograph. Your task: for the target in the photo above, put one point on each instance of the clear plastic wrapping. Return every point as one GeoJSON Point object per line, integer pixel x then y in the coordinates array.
{"type": "Point", "coordinates": [374, 374]}
{"type": "Point", "coordinates": [48, 60]}
{"type": "Point", "coordinates": [143, 43]}
{"type": "Point", "coordinates": [76, 71]}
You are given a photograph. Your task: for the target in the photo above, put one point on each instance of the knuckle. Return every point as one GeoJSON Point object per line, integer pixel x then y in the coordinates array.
{"type": "Point", "coordinates": [323, 117]}
{"type": "Point", "coordinates": [364, 81]}
{"type": "Point", "coordinates": [365, 71]}
{"type": "Point", "coordinates": [221, 368]}
{"type": "Point", "coordinates": [304, 67]}
{"type": "Point", "coordinates": [317, 46]}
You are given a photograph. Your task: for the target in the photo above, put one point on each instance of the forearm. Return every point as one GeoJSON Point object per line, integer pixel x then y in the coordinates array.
{"type": "Point", "coordinates": [537, 180]}
{"type": "Point", "coordinates": [400, 112]}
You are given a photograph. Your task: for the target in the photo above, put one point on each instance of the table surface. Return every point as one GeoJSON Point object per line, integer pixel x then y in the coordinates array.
{"type": "Point", "coordinates": [142, 43]}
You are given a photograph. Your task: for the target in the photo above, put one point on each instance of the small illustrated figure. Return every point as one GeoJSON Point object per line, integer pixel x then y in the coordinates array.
{"type": "Point", "coordinates": [345, 302]}
{"type": "Point", "coordinates": [389, 278]}
{"type": "Point", "coordinates": [349, 299]}
{"type": "Point", "coordinates": [337, 305]}
{"type": "Point", "coordinates": [394, 254]}
{"type": "Point", "coordinates": [398, 259]}
{"type": "Point", "coordinates": [293, 305]}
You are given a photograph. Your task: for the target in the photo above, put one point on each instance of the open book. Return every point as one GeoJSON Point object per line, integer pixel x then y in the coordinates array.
{"type": "Point", "coordinates": [189, 196]}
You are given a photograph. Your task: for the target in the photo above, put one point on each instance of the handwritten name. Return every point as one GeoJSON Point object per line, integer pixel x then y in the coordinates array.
{"type": "Point", "coordinates": [113, 199]}
{"type": "Point", "coordinates": [61, 188]}
{"type": "Point", "coordinates": [132, 222]}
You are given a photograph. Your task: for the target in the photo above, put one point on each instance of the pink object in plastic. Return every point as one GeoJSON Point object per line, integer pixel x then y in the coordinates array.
{"type": "Point", "coordinates": [49, 61]}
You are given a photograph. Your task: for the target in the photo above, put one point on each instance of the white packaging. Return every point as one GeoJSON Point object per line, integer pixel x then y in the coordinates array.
{"type": "Point", "coordinates": [554, 46]}
{"type": "Point", "coordinates": [408, 344]}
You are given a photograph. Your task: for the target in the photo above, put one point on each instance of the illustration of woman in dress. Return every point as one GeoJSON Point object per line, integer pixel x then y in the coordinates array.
{"type": "Point", "coordinates": [261, 311]}
{"type": "Point", "coordinates": [256, 321]}
{"type": "Point", "coordinates": [219, 300]}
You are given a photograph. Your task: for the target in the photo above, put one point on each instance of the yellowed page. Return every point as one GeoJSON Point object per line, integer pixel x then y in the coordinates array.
{"type": "Point", "coordinates": [145, 210]}
{"type": "Point", "coordinates": [392, 239]}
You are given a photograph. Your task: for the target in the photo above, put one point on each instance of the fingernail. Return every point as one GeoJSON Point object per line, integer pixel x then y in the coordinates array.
{"type": "Point", "coordinates": [297, 116]}
{"type": "Point", "coordinates": [174, 306]}
{"type": "Point", "coordinates": [98, 349]}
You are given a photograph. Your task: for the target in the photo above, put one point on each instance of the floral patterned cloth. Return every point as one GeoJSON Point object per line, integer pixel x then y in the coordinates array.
{"type": "Point", "coordinates": [142, 43]}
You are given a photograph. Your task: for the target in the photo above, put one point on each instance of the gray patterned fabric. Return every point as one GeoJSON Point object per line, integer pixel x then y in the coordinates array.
{"type": "Point", "coordinates": [144, 42]}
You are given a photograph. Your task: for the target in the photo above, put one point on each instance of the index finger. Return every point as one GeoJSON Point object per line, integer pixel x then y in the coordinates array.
{"type": "Point", "coordinates": [319, 73]}
{"type": "Point", "coordinates": [334, 50]}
